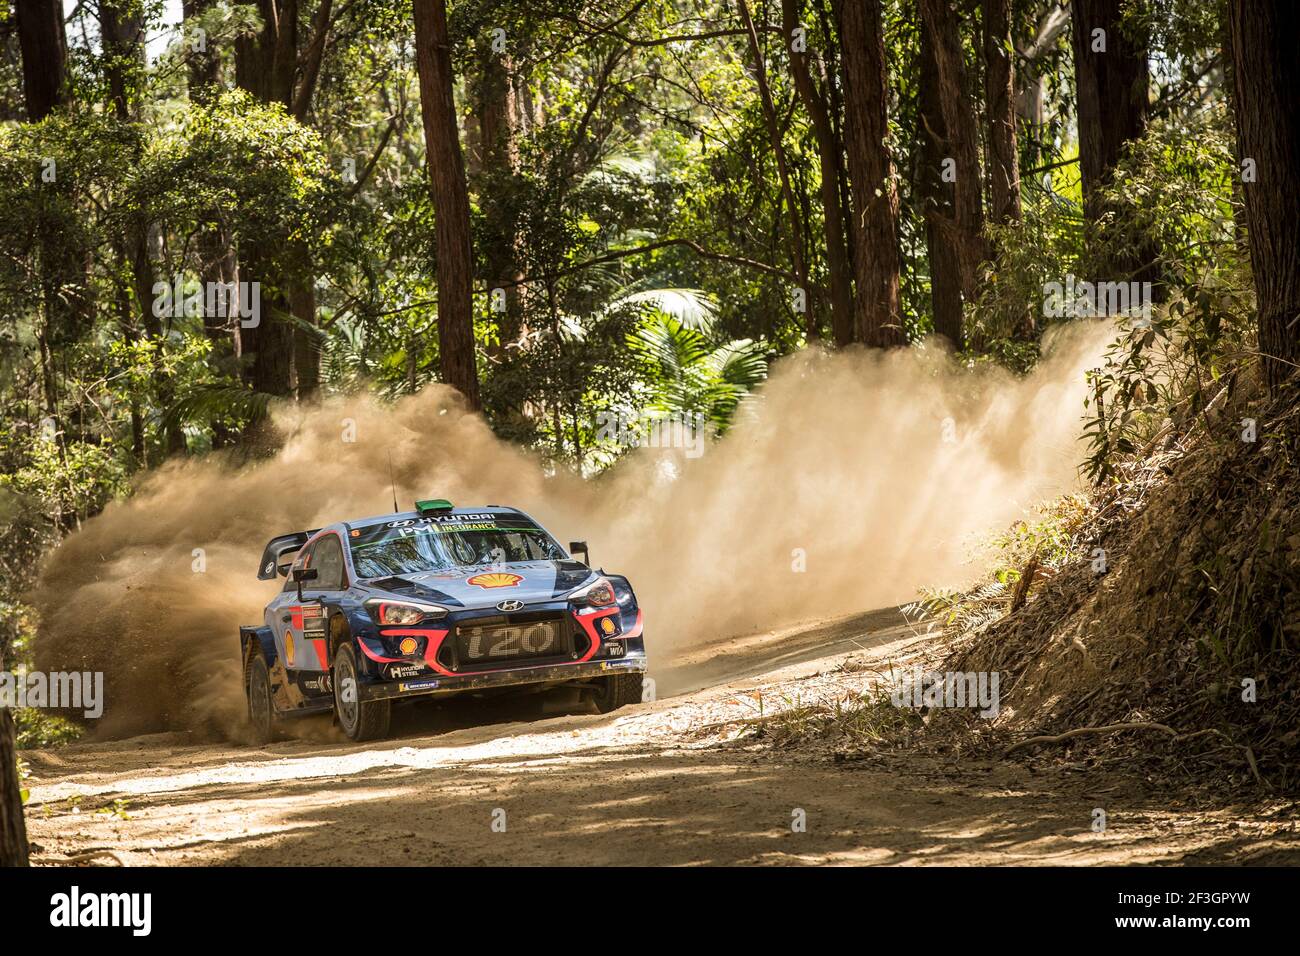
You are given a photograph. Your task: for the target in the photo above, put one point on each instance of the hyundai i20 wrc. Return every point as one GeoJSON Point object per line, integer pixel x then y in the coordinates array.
{"type": "Point", "coordinates": [436, 602]}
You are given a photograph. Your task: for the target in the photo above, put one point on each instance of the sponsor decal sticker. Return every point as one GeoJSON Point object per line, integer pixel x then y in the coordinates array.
{"type": "Point", "coordinates": [442, 519]}
{"type": "Point", "coordinates": [417, 685]}
{"type": "Point", "coordinates": [408, 645]}
{"type": "Point", "coordinates": [495, 579]}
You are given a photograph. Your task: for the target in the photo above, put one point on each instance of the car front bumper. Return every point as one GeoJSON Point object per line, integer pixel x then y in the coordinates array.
{"type": "Point", "coordinates": [438, 685]}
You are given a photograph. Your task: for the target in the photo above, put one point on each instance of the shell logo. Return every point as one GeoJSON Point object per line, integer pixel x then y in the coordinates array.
{"type": "Point", "coordinates": [407, 646]}
{"type": "Point", "coordinates": [495, 579]}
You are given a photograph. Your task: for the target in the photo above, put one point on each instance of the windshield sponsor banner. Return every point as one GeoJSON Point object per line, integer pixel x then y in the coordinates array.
{"type": "Point", "coordinates": [441, 524]}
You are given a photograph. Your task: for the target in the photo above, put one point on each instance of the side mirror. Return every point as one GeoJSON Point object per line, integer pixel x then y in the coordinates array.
{"type": "Point", "coordinates": [304, 574]}
{"type": "Point", "coordinates": [576, 546]}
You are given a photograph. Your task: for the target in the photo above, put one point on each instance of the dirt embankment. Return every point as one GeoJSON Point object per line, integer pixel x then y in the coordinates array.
{"type": "Point", "coordinates": [1177, 614]}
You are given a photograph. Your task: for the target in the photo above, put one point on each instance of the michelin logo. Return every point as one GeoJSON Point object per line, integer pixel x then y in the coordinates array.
{"type": "Point", "coordinates": [418, 685]}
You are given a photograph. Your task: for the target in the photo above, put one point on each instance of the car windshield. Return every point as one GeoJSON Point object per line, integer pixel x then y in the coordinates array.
{"type": "Point", "coordinates": [440, 542]}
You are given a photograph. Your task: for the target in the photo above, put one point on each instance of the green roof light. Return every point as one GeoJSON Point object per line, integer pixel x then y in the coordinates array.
{"type": "Point", "coordinates": [433, 505]}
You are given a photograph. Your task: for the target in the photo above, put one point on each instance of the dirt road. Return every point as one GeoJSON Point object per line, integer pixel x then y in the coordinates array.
{"type": "Point", "coordinates": [672, 782]}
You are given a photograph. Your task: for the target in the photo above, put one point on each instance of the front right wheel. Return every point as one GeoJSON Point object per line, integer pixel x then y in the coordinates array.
{"type": "Point", "coordinates": [617, 691]}
{"type": "Point", "coordinates": [360, 719]}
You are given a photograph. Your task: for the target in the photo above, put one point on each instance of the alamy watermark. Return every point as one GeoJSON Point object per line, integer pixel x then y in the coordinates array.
{"type": "Point", "coordinates": [684, 431]}
{"type": "Point", "coordinates": [1087, 300]}
{"type": "Point", "coordinates": [964, 689]}
{"type": "Point", "coordinates": [75, 908]}
{"type": "Point", "coordinates": [59, 690]}
{"type": "Point", "coordinates": [223, 300]}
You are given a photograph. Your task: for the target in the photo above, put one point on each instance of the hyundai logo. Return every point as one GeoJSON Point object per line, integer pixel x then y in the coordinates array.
{"type": "Point", "coordinates": [510, 605]}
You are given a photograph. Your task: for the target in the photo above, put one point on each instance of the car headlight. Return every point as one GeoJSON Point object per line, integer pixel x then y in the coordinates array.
{"type": "Point", "coordinates": [403, 613]}
{"type": "Point", "coordinates": [599, 593]}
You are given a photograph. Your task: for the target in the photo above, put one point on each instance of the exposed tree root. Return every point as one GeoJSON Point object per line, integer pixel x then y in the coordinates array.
{"type": "Point", "coordinates": [1175, 737]}
{"type": "Point", "coordinates": [79, 858]}
{"type": "Point", "coordinates": [1085, 732]}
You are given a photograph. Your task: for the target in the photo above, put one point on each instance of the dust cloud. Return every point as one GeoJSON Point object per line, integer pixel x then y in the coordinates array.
{"type": "Point", "coordinates": [854, 479]}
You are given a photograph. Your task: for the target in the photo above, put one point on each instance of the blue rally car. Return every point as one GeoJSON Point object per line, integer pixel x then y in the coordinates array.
{"type": "Point", "coordinates": [429, 603]}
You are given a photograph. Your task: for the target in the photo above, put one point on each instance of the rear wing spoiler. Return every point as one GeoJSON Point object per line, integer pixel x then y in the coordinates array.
{"type": "Point", "coordinates": [277, 548]}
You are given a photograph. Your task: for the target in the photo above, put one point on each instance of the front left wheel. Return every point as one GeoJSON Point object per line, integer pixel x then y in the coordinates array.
{"type": "Point", "coordinates": [261, 709]}
{"type": "Point", "coordinates": [360, 719]}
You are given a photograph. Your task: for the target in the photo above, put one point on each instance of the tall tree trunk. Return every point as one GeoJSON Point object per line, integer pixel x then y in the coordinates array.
{"type": "Point", "coordinates": [45, 55]}
{"type": "Point", "coordinates": [497, 110]}
{"type": "Point", "coordinates": [302, 286]}
{"type": "Point", "coordinates": [1266, 71]}
{"type": "Point", "coordinates": [999, 91]}
{"type": "Point", "coordinates": [826, 21]}
{"type": "Point", "coordinates": [271, 342]}
{"type": "Point", "coordinates": [876, 319]}
{"type": "Point", "coordinates": [265, 62]}
{"type": "Point", "coordinates": [450, 199]}
{"type": "Point", "coordinates": [938, 205]}
{"type": "Point", "coordinates": [795, 232]}
{"type": "Point", "coordinates": [496, 169]}
{"type": "Point", "coordinates": [218, 264]}
{"type": "Point", "coordinates": [306, 347]}
{"type": "Point", "coordinates": [829, 148]}
{"type": "Point", "coordinates": [13, 829]}
{"type": "Point", "coordinates": [961, 149]}
{"type": "Point", "coordinates": [312, 58]}
{"type": "Point", "coordinates": [1111, 77]}
{"type": "Point", "coordinates": [128, 325]}
{"type": "Point", "coordinates": [1029, 81]}
{"type": "Point", "coordinates": [143, 277]}
{"type": "Point", "coordinates": [121, 24]}
{"type": "Point", "coordinates": [265, 65]}
{"type": "Point", "coordinates": [202, 67]}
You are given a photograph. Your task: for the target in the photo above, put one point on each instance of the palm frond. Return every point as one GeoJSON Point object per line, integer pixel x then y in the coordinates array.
{"type": "Point", "coordinates": [693, 308]}
{"type": "Point", "coordinates": [668, 347]}
{"type": "Point", "coordinates": [205, 403]}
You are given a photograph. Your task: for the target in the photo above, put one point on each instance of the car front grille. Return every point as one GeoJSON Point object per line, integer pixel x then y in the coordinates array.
{"type": "Point", "coordinates": [510, 640]}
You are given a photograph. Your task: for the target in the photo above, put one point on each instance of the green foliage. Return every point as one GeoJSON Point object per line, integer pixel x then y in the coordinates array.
{"type": "Point", "coordinates": [38, 729]}
{"type": "Point", "coordinates": [961, 612]}
{"type": "Point", "coordinates": [1176, 191]}
{"type": "Point", "coordinates": [685, 376]}
{"type": "Point", "coordinates": [1027, 256]}
{"type": "Point", "coordinates": [1042, 546]}
{"type": "Point", "coordinates": [24, 771]}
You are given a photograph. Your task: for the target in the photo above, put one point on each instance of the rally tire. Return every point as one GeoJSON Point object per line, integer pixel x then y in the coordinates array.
{"type": "Point", "coordinates": [261, 707]}
{"type": "Point", "coordinates": [617, 690]}
{"type": "Point", "coordinates": [359, 719]}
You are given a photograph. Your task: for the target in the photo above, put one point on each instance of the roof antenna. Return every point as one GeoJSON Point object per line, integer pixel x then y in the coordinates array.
{"type": "Point", "coordinates": [392, 481]}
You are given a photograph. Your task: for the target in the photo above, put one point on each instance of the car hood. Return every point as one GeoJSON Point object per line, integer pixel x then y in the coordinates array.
{"type": "Point", "coordinates": [530, 582]}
